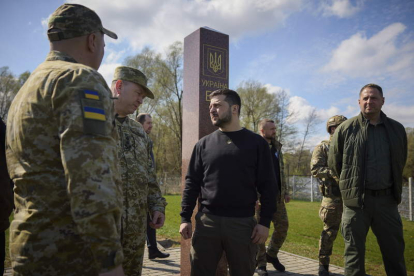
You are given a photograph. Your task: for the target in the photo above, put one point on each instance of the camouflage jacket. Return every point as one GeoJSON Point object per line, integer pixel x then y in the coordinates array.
{"type": "Point", "coordinates": [319, 169]}
{"type": "Point", "coordinates": [61, 155]}
{"type": "Point", "coordinates": [140, 187]}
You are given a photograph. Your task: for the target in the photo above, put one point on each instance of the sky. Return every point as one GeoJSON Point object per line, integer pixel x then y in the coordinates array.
{"type": "Point", "coordinates": [321, 52]}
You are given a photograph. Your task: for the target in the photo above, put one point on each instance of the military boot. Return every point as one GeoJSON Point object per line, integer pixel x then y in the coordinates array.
{"type": "Point", "coordinates": [262, 271]}
{"type": "Point", "coordinates": [152, 254]}
{"type": "Point", "coordinates": [323, 270]}
{"type": "Point", "coordinates": [275, 262]}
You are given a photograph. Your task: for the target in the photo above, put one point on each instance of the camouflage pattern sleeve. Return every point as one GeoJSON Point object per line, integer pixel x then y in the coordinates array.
{"type": "Point", "coordinates": [88, 148]}
{"type": "Point", "coordinates": [319, 161]}
{"type": "Point", "coordinates": [156, 202]}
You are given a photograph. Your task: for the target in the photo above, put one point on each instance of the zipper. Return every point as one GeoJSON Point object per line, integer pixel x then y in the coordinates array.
{"type": "Point", "coordinates": [362, 195]}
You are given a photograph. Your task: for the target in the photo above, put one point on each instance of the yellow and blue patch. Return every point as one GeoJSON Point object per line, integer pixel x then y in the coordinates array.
{"type": "Point", "coordinates": [94, 113]}
{"type": "Point", "coordinates": [89, 94]}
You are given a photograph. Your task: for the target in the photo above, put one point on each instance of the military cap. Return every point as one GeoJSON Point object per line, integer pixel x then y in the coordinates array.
{"type": "Point", "coordinates": [133, 75]}
{"type": "Point", "coordinates": [335, 121]}
{"type": "Point", "coordinates": [73, 20]}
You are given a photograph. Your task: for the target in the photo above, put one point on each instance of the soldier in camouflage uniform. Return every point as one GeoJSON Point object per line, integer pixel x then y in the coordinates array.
{"type": "Point", "coordinates": [280, 221]}
{"type": "Point", "coordinates": [331, 207]}
{"type": "Point", "coordinates": [61, 155]}
{"type": "Point", "coordinates": [140, 187]}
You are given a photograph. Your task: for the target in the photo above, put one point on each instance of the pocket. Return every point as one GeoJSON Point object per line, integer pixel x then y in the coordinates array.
{"type": "Point", "coordinates": [18, 246]}
{"type": "Point", "coordinates": [322, 213]}
{"type": "Point", "coordinates": [198, 217]}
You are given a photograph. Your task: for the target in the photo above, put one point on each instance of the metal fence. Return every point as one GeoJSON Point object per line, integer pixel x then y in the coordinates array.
{"type": "Point", "coordinates": [306, 188]}
{"type": "Point", "coordinates": [300, 188]}
{"type": "Point", "coordinates": [170, 185]}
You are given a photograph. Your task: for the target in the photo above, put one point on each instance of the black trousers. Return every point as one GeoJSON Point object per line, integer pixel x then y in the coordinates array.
{"type": "Point", "coordinates": [151, 236]}
{"type": "Point", "coordinates": [215, 234]}
{"type": "Point", "coordinates": [2, 251]}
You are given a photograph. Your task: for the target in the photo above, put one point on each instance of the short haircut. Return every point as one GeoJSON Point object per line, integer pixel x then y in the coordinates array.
{"type": "Point", "coordinates": [141, 117]}
{"type": "Point", "coordinates": [265, 121]}
{"type": "Point", "coordinates": [373, 85]}
{"type": "Point", "coordinates": [231, 97]}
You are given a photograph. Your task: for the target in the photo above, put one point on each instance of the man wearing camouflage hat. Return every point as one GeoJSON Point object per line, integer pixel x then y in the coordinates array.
{"type": "Point", "coordinates": [61, 155]}
{"type": "Point", "coordinates": [140, 188]}
{"type": "Point", "coordinates": [331, 207]}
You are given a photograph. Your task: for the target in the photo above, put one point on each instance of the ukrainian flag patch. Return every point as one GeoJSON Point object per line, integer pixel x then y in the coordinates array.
{"type": "Point", "coordinates": [94, 113]}
{"type": "Point", "coordinates": [89, 94]}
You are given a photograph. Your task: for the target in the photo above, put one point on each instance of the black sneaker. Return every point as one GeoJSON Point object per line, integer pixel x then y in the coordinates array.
{"type": "Point", "coordinates": [152, 254]}
{"type": "Point", "coordinates": [323, 270]}
{"type": "Point", "coordinates": [275, 262]}
{"type": "Point", "coordinates": [262, 271]}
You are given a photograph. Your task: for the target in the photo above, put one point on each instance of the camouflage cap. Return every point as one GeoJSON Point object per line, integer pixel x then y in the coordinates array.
{"type": "Point", "coordinates": [133, 75]}
{"type": "Point", "coordinates": [335, 121]}
{"type": "Point", "coordinates": [73, 20]}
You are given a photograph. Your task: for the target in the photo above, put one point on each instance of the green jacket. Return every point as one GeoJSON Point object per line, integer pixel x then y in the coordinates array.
{"type": "Point", "coordinates": [347, 157]}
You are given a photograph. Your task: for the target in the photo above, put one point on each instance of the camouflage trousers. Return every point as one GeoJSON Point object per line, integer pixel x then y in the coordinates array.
{"type": "Point", "coordinates": [281, 225]}
{"type": "Point", "coordinates": [330, 214]}
{"type": "Point", "coordinates": [133, 242]}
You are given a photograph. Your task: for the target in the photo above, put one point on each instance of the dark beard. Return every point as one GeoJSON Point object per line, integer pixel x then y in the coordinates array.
{"type": "Point", "coordinates": [223, 121]}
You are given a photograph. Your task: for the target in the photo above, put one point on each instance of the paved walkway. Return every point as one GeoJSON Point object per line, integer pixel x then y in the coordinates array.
{"type": "Point", "coordinates": [295, 265]}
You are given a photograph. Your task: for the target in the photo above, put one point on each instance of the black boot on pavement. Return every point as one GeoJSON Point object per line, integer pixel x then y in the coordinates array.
{"type": "Point", "coordinates": [262, 271]}
{"type": "Point", "coordinates": [152, 254]}
{"type": "Point", "coordinates": [323, 270]}
{"type": "Point", "coordinates": [275, 262]}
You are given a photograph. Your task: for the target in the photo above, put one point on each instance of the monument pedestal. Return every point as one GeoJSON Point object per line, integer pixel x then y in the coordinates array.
{"type": "Point", "coordinates": [206, 69]}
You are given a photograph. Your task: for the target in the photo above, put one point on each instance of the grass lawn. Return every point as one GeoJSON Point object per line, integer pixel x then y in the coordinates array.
{"type": "Point", "coordinates": [304, 230]}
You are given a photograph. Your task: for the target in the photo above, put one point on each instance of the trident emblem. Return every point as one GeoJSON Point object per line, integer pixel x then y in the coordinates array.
{"type": "Point", "coordinates": [215, 62]}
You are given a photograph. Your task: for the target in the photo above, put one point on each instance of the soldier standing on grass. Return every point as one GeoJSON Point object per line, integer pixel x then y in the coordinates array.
{"type": "Point", "coordinates": [280, 221]}
{"type": "Point", "coordinates": [145, 120]}
{"type": "Point", "coordinates": [139, 184]}
{"type": "Point", "coordinates": [331, 207]}
{"type": "Point", "coordinates": [61, 155]}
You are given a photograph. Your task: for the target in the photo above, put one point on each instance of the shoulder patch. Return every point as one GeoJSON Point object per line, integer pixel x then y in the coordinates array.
{"type": "Point", "coordinates": [93, 95]}
{"type": "Point", "coordinates": [94, 113]}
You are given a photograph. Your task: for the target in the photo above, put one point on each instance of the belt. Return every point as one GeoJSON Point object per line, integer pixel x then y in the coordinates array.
{"type": "Point", "coordinates": [382, 192]}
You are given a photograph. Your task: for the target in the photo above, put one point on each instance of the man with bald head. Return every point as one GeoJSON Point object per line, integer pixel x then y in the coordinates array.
{"type": "Point", "coordinates": [140, 188]}
{"type": "Point", "coordinates": [61, 155]}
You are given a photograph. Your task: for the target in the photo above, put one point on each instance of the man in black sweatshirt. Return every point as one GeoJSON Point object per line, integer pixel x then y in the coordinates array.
{"type": "Point", "coordinates": [226, 171]}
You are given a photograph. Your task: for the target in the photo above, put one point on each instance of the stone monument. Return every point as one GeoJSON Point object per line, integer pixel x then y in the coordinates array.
{"type": "Point", "coordinates": [206, 69]}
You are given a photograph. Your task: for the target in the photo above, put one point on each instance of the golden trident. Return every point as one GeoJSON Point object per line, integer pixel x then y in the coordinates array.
{"type": "Point", "coordinates": [215, 62]}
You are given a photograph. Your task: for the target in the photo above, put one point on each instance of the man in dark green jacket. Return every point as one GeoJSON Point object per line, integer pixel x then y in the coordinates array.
{"type": "Point", "coordinates": [368, 153]}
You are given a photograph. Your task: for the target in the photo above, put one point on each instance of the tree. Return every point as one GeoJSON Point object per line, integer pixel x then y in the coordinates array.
{"type": "Point", "coordinates": [309, 127]}
{"type": "Point", "coordinates": [165, 80]}
{"type": "Point", "coordinates": [284, 130]}
{"type": "Point", "coordinates": [9, 86]}
{"type": "Point", "coordinates": [257, 104]}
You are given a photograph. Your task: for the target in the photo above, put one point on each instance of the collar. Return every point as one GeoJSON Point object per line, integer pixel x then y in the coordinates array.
{"type": "Point", "coordinates": [57, 55]}
{"type": "Point", "coordinates": [363, 120]}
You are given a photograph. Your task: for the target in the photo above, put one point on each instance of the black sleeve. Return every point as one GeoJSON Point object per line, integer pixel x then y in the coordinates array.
{"type": "Point", "coordinates": [6, 185]}
{"type": "Point", "coordinates": [267, 185]}
{"type": "Point", "coordinates": [192, 188]}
